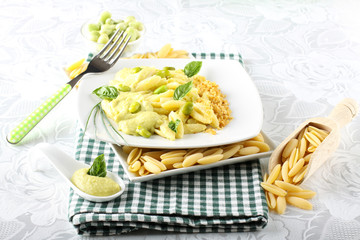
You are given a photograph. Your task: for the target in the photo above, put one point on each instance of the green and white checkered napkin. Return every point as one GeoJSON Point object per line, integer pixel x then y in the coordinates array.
{"type": "Point", "coordinates": [223, 199]}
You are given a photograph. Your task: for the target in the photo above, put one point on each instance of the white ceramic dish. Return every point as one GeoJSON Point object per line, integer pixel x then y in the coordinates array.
{"type": "Point", "coordinates": [233, 80]}
{"type": "Point", "coordinates": [134, 178]}
{"type": "Point", "coordinates": [66, 166]}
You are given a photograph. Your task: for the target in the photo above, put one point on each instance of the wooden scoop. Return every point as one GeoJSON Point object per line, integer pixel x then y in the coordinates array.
{"type": "Point", "coordinates": [342, 114]}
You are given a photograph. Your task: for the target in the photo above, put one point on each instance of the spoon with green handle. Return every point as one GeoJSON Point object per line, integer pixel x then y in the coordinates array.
{"type": "Point", "coordinates": [103, 61]}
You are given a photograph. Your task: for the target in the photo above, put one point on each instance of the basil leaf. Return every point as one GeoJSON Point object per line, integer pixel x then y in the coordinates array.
{"type": "Point", "coordinates": [98, 168]}
{"type": "Point", "coordinates": [182, 90]}
{"type": "Point", "coordinates": [173, 125]}
{"type": "Point", "coordinates": [106, 92]}
{"type": "Point", "coordinates": [192, 68]}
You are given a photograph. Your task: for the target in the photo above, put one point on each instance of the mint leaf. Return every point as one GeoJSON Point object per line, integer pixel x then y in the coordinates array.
{"type": "Point", "coordinates": [106, 92]}
{"type": "Point", "coordinates": [192, 68]}
{"type": "Point", "coordinates": [182, 90]}
{"type": "Point", "coordinates": [98, 168]}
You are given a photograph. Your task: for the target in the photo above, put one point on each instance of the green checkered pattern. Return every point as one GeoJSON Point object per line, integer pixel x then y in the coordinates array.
{"type": "Point", "coordinates": [20, 131]}
{"type": "Point", "coordinates": [223, 199]}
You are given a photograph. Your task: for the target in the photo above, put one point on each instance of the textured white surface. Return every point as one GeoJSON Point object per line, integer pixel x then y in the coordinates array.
{"type": "Point", "coordinates": [304, 57]}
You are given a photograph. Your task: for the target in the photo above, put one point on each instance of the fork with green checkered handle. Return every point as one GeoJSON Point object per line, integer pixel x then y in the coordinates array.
{"type": "Point", "coordinates": [103, 61]}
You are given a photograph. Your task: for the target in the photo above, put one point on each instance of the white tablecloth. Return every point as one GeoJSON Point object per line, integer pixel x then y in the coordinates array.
{"type": "Point", "coordinates": [303, 56]}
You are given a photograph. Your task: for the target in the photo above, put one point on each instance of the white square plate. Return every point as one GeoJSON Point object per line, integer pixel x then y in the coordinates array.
{"type": "Point", "coordinates": [135, 178]}
{"type": "Point", "coordinates": [234, 82]}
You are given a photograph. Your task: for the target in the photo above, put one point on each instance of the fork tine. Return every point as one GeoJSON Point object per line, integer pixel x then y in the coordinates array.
{"type": "Point", "coordinates": [113, 61]}
{"type": "Point", "coordinates": [115, 43]}
{"type": "Point", "coordinates": [108, 43]}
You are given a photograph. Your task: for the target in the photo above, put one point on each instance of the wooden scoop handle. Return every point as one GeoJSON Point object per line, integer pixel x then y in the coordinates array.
{"type": "Point", "coordinates": [344, 112]}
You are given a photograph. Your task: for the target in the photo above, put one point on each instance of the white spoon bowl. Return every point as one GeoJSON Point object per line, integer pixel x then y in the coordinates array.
{"type": "Point", "coordinates": [66, 166]}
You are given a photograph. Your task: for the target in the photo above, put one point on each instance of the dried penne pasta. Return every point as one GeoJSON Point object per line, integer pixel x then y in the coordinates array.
{"type": "Point", "coordinates": [274, 174]}
{"type": "Point", "coordinates": [134, 155]}
{"type": "Point", "coordinates": [280, 205]}
{"type": "Point", "coordinates": [151, 167]}
{"type": "Point", "coordinates": [299, 202]}
{"type": "Point", "coordinates": [193, 151]}
{"type": "Point", "coordinates": [164, 51]}
{"type": "Point", "coordinates": [179, 52]}
{"type": "Point", "coordinates": [312, 139]}
{"type": "Point", "coordinates": [155, 162]}
{"type": "Point", "coordinates": [300, 175]}
{"type": "Point", "coordinates": [289, 148]}
{"type": "Point", "coordinates": [296, 168]}
{"type": "Point", "coordinates": [172, 54]}
{"type": "Point", "coordinates": [273, 189]}
{"type": "Point", "coordinates": [212, 151]}
{"type": "Point", "coordinates": [175, 153]}
{"type": "Point", "coordinates": [318, 135]}
{"type": "Point", "coordinates": [135, 166]}
{"type": "Point", "coordinates": [266, 176]}
{"type": "Point", "coordinates": [307, 157]}
{"type": "Point", "coordinates": [293, 157]}
{"type": "Point", "coordinates": [230, 151]}
{"type": "Point", "coordinates": [192, 159]}
{"type": "Point", "coordinates": [77, 71]}
{"type": "Point", "coordinates": [210, 159]}
{"type": "Point", "coordinates": [75, 65]}
{"type": "Point", "coordinates": [268, 200]}
{"type": "Point", "coordinates": [301, 134]}
{"type": "Point", "coordinates": [295, 160]}
{"type": "Point", "coordinates": [172, 160]}
{"type": "Point", "coordinates": [248, 150]}
{"type": "Point", "coordinates": [307, 194]}
{"type": "Point", "coordinates": [302, 147]}
{"type": "Point", "coordinates": [178, 165]}
{"type": "Point", "coordinates": [272, 200]}
{"type": "Point", "coordinates": [311, 148]}
{"type": "Point", "coordinates": [321, 132]}
{"type": "Point", "coordinates": [154, 154]}
{"type": "Point", "coordinates": [142, 171]}
{"type": "Point", "coordinates": [264, 147]}
{"type": "Point", "coordinates": [259, 138]}
{"type": "Point", "coordinates": [288, 186]}
{"type": "Point", "coordinates": [285, 171]}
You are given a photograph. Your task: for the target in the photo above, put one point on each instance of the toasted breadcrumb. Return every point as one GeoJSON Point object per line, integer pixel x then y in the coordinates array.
{"type": "Point", "coordinates": [211, 91]}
